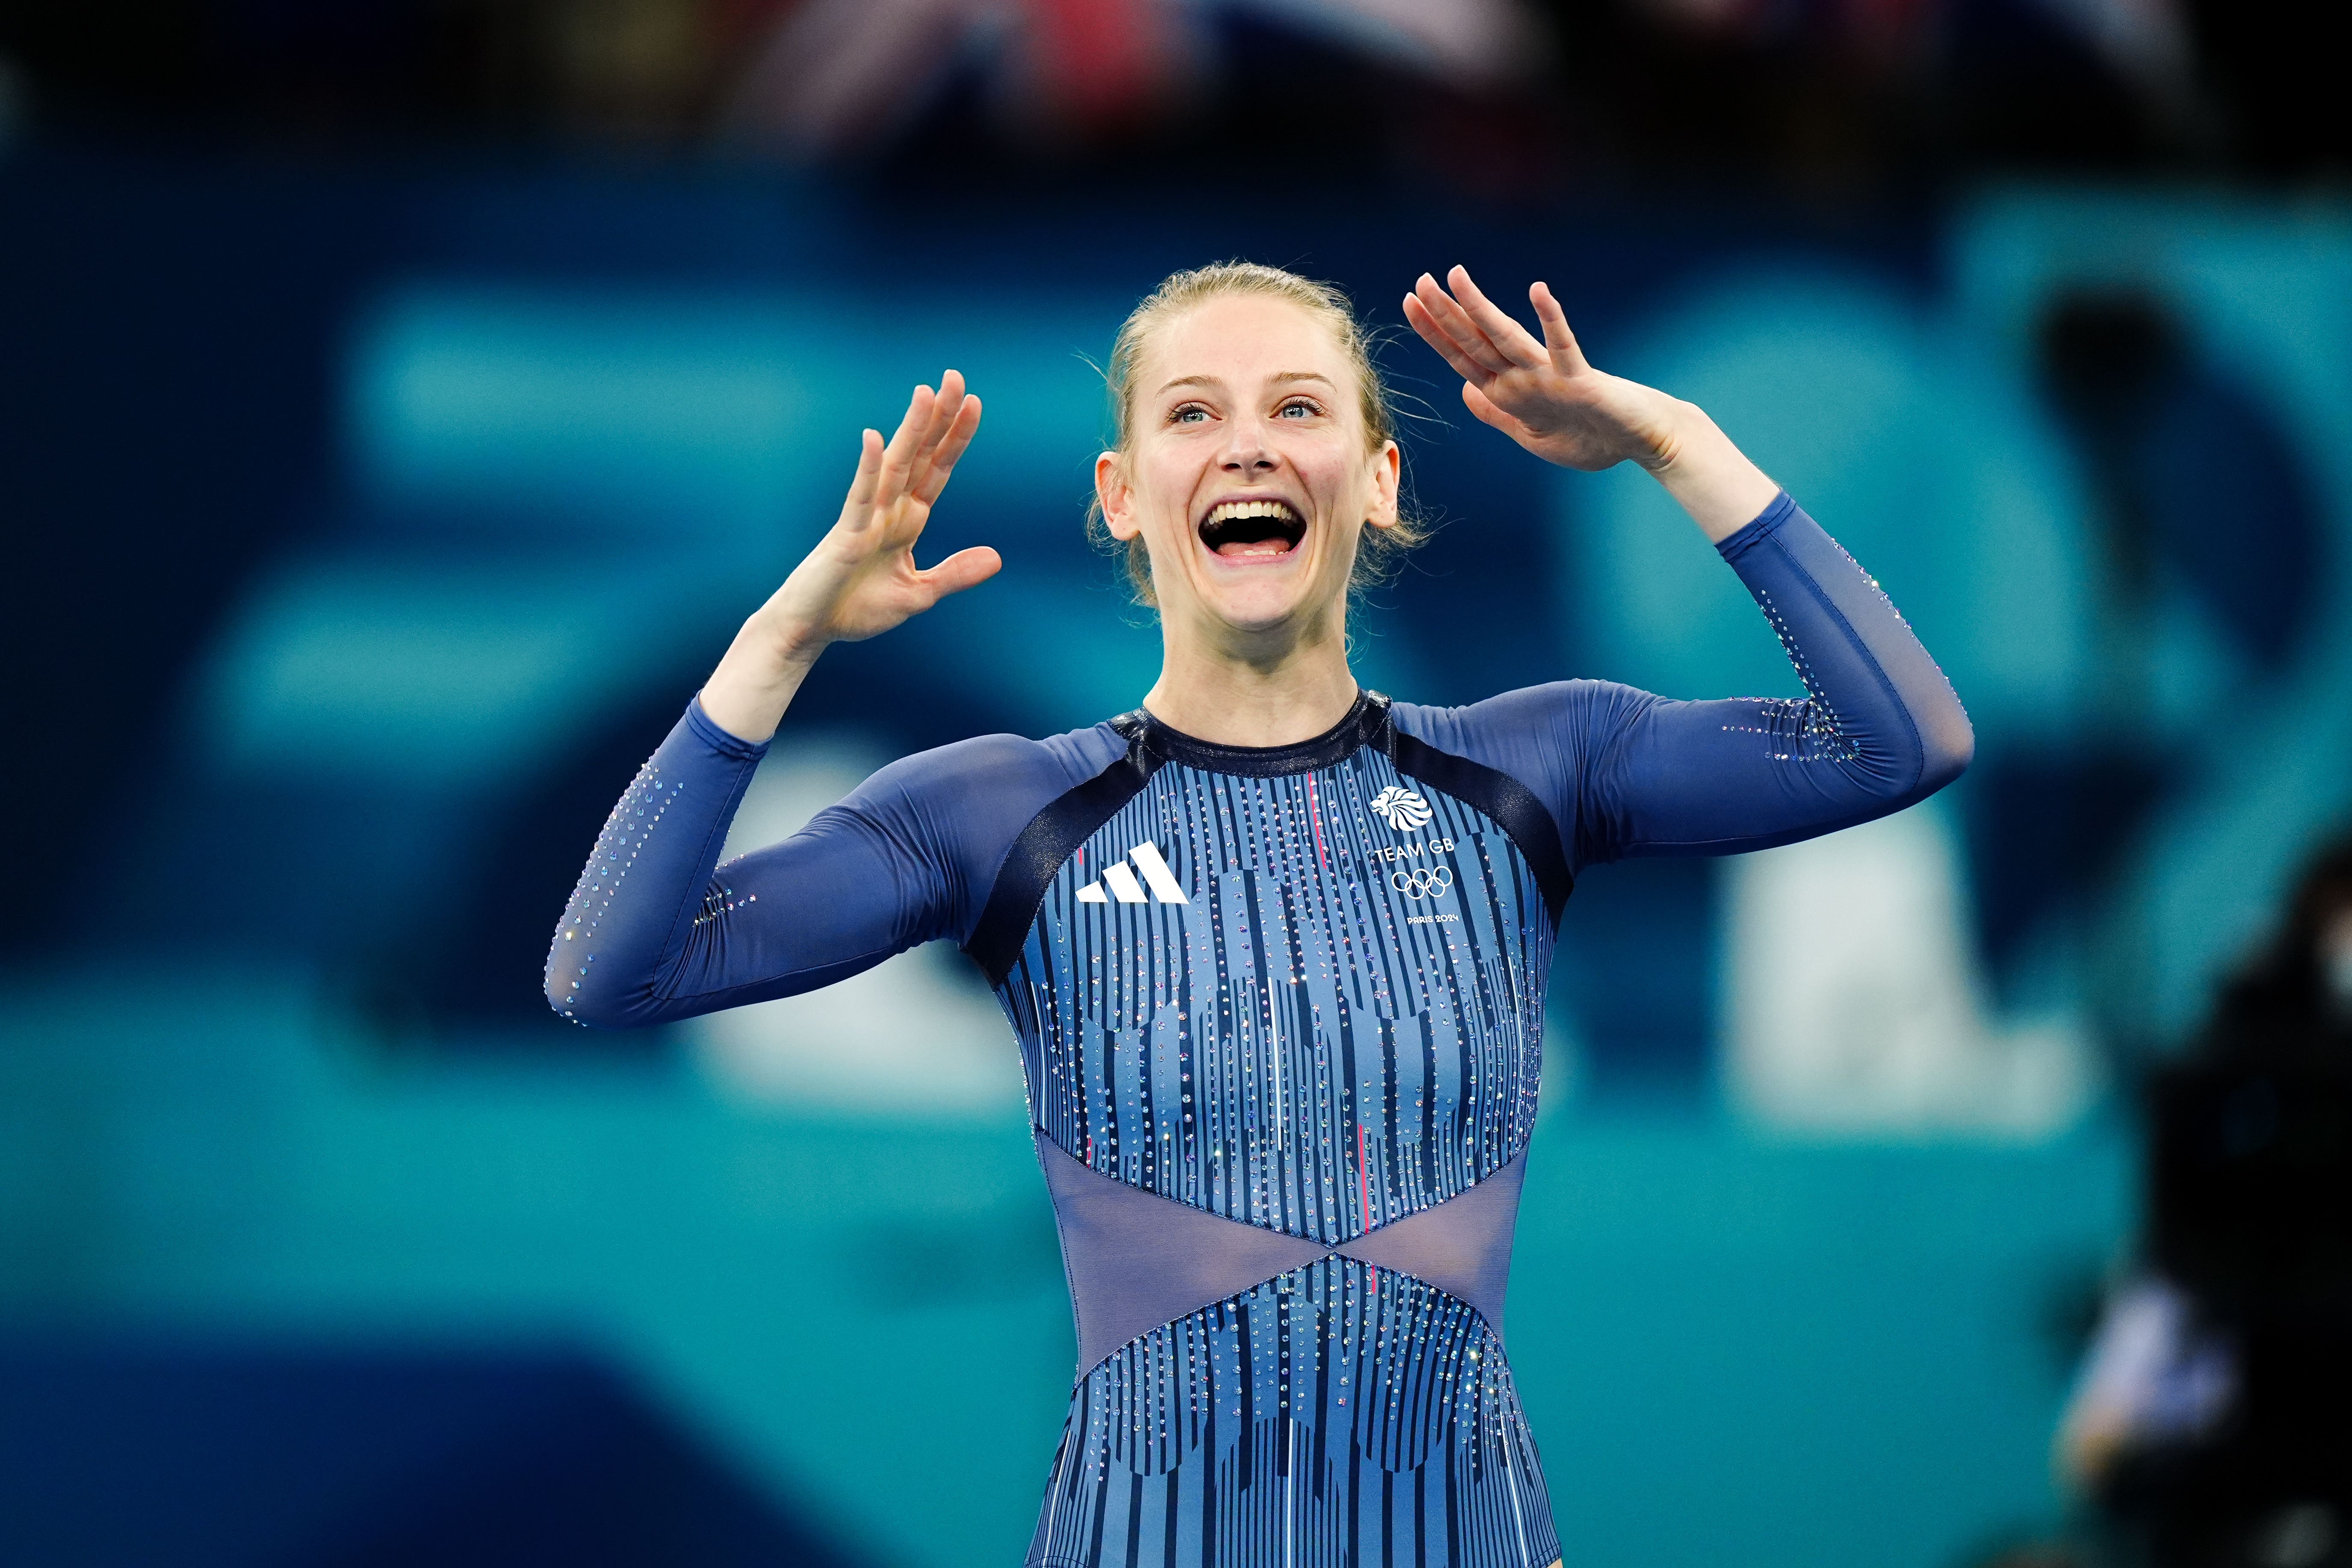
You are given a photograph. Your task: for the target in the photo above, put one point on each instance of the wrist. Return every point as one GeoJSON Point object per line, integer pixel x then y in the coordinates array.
{"type": "Point", "coordinates": [1711, 477]}
{"type": "Point", "coordinates": [786, 645]}
{"type": "Point", "coordinates": [1678, 429]}
{"type": "Point", "coordinates": [763, 668]}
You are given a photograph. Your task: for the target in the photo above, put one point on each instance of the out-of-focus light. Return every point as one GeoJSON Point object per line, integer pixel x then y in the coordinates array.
{"type": "Point", "coordinates": [1854, 1003]}
{"type": "Point", "coordinates": [635, 411]}
{"type": "Point", "coordinates": [837, 76]}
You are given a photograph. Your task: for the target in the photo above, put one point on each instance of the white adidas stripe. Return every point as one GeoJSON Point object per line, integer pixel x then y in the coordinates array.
{"type": "Point", "coordinates": [1156, 873]}
{"type": "Point", "coordinates": [1126, 890]}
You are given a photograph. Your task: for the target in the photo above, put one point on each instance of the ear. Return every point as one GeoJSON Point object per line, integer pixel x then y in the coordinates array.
{"type": "Point", "coordinates": [1388, 468]}
{"type": "Point", "coordinates": [1116, 497]}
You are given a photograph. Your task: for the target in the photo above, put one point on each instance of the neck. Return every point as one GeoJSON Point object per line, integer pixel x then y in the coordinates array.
{"type": "Point", "coordinates": [1253, 690]}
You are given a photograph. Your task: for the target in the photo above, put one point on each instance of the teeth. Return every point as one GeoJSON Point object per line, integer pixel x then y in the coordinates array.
{"type": "Point", "coordinates": [1234, 509]}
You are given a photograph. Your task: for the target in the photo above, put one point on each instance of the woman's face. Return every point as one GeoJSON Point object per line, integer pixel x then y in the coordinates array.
{"type": "Point", "coordinates": [1247, 473]}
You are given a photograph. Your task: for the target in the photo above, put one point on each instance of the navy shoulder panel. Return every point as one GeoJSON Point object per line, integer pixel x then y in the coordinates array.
{"type": "Point", "coordinates": [1121, 766]}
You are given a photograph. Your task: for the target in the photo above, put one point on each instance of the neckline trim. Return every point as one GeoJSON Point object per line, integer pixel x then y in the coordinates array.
{"type": "Point", "coordinates": [1361, 727]}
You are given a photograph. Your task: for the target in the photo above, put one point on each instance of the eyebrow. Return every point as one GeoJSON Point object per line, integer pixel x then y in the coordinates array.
{"type": "Point", "coordinates": [1283, 376]}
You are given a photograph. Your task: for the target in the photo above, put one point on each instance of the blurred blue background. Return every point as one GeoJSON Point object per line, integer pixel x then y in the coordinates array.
{"type": "Point", "coordinates": [400, 406]}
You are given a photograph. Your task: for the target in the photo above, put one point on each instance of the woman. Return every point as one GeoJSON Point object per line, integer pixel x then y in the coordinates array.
{"type": "Point", "coordinates": [1274, 947]}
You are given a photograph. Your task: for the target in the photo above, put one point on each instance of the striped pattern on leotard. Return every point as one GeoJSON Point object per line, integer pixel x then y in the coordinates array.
{"type": "Point", "coordinates": [1340, 1026]}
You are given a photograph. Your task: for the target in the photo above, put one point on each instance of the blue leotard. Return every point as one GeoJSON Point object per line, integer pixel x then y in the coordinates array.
{"type": "Point", "coordinates": [1280, 1013]}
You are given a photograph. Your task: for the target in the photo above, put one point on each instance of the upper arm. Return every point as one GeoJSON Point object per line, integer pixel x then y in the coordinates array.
{"type": "Point", "coordinates": [839, 896]}
{"type": "Point", "coordinates": [1727, 775]}
{"type": "Point", "coordinates": [1634, 773]}
{"type": "Point", "coordinates": [903, 859]}
{"type": "Point", "coordinates": [1625, 771]}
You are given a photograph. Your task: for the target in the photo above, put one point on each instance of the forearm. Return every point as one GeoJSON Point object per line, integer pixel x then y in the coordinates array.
{"type": "Point", "coordinates": [658, 930]}
{"type": "Point", "coordinates": [1712, 479]}
{"type": "Point", "coordinates": [761, 673]}
{"type": "Point", "coordinates": [624, 932]}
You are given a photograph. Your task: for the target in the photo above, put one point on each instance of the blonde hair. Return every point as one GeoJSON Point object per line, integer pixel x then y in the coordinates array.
{"type": "Point", "coordinates": [1378, 549]}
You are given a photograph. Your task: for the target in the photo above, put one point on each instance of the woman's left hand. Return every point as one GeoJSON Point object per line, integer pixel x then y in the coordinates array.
{"type": "Point", "coordinates": [1545, 397]}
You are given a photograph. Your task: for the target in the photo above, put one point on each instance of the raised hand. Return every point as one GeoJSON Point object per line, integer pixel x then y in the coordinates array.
{"type": "Point", "coordinates": [861, 579]}
{"type": "Point", "coordinates": [1548, 397]}
{"type": "Point", "coordinates": [1543, 395]}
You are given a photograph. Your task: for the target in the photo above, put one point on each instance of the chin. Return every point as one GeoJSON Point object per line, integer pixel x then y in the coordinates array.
{"type": "Point", "coordinates": [1263, 607]}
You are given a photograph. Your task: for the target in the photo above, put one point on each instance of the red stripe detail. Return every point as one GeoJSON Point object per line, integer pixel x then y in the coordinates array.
{"type": "Point", "coordinates": [1315, 816]}
{"type": "Point", "coordinates": [1364, 1169]}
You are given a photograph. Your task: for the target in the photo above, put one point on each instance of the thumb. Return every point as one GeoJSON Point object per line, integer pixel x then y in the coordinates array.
{"type": "Point", "coordinates": [964, 569]}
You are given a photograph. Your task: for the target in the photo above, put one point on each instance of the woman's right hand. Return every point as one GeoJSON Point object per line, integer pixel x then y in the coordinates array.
{"type": "Point", "coordinates": [861, 579]}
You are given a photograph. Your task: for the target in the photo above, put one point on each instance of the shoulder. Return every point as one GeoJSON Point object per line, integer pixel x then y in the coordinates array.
{"type": "Point", "coordinates": [986, 764]}
{"type": "Point", "coordinates": [1555, 713]}
{"type": "Point", "coordinates": [943, 820]}
{"type": "Point", "coordinates": [968, 800]}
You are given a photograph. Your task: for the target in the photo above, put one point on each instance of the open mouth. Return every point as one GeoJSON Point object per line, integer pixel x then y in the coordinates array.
{"type": "Point", "coordinates": [1253, 529]}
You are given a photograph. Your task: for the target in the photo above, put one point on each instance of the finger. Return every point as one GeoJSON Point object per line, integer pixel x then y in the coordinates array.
{"type": "Point", "coordinates": [1501, 328]}
{"type": "Point", "coordinates": [1457, 326]}
{"type": "Point", "coordinates": [945, 406]}
{"type": "Point", "coordinates": [898, 457]}
{"type": "Point", "coordinates": [946, 409]}
{"type": "Point", "coordinates": [1567, 356]}
{"type": "Point", "coordinates": [964, 569]}
{"type": "Point", "coordinates": [858, 509]}
{"type": "Point", "coordinates": [1465, 332]}
{"type": "Point", "coordinates": [1434, 335]}
{"type": "Point", "coordinates": [951, 446]}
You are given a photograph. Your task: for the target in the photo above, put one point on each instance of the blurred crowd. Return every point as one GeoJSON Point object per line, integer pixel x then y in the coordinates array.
{"type": "Point", "coordinates": [1507, 96]}
{"type": "Point", "coordinates": [2208, 1425]}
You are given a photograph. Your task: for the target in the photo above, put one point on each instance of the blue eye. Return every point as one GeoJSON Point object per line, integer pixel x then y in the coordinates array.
{"type": "Point", "coordinates": [1302, 408]}
{"type": "Point", "coordinates": [1191, 413]}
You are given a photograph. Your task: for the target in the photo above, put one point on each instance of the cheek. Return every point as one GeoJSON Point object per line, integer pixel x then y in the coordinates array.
{"type": "Point", "coordinates": [1341, 484]}
{"type": "Point", "coordinates": [1164, 484]}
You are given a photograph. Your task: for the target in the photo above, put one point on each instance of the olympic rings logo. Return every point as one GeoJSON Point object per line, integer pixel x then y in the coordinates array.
{"type": "Point", "coordinates": [1422, 881]}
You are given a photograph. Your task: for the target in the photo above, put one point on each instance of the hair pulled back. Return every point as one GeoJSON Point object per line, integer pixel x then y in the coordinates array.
{"type": "Point", "coordinates": [1378, 549]}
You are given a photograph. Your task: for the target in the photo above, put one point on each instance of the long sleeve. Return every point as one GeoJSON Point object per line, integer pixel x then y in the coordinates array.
{"type": "Point", "coordinates": [658, 930]}
{"type": "Point", "coordinates": [1627, 772]}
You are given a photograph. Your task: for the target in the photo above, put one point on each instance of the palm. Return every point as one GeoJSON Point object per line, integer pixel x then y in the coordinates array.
{"type": "Point", "coordinates": [861, 580]}
{"type": "Point", "coordinates": [1544, 395]}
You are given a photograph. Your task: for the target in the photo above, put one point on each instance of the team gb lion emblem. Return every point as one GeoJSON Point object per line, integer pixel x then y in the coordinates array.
{"type": "Point", "coordinates": [1401, 809]}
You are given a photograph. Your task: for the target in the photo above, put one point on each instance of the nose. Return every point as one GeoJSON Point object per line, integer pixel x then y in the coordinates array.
{"type": "Point", "coordinates": [1246, 450]}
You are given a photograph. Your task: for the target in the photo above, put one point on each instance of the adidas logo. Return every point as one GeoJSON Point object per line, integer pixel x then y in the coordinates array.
{"type": "Point", "coordinates": [1126, 890]}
